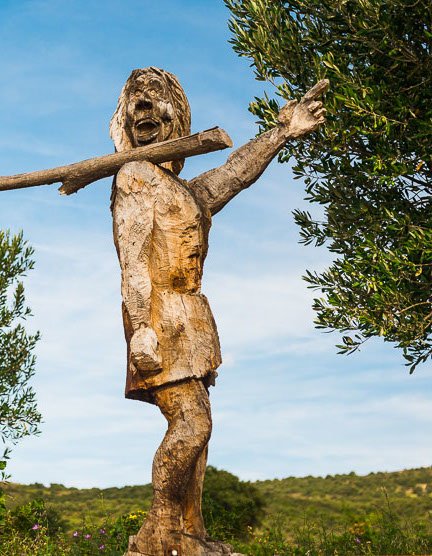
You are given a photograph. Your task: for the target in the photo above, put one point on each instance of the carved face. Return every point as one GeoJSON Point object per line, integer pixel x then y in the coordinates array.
{"type": "Point", "coordinates": [149, 111]}
{"type": "Point", "coordinates": [152, 107]}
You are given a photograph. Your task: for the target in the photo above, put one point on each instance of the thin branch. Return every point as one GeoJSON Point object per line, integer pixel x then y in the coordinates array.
{"type": "Point", "coordinates": [78, 175]}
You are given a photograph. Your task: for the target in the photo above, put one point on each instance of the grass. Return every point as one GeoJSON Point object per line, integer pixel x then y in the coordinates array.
{"type": "Point", "coordinates": [330, 500]}
{"type": "Point", "coordinates": [385, 534]}
{"type": "Point", "coordinates": [381, 513]}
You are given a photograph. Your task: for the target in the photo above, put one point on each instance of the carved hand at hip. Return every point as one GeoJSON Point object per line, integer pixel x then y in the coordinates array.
{"type": "Point", "coordinates": [144, 350]}
{"type": "Point", "coordinates": [307, 115]}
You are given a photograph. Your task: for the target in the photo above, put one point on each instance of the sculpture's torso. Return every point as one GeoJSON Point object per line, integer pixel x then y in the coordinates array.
{"type": "Point", "coordinates": [165, 228]}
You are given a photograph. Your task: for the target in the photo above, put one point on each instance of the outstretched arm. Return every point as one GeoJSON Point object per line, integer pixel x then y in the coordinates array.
{"type": "Point", "coordinates": [245, 165]}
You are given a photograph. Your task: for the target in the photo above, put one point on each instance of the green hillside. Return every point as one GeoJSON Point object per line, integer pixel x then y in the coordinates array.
{"type": "Point", "coordinates": [333, 501]}
{"type": "Point", "coordinates": [74, 504]}
{"type": "Point", "coordinates": [338, 499]}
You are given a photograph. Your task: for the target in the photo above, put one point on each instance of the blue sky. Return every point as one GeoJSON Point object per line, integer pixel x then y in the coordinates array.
{"type": "Point", "coordinates": [285, 403]}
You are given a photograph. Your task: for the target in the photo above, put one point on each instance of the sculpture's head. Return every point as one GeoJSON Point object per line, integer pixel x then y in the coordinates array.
{"type": "Point", "coordinates": [152, 107]}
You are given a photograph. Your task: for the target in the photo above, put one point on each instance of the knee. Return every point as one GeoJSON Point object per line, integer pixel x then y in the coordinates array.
{"type": "Point", "coordinates": [192, 429]}
{"type": "Point", "coordinates": [201, 427]}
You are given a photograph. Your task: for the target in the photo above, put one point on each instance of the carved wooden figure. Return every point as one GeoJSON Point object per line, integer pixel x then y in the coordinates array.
{"type": "Point", "coordinates": [161, 227]}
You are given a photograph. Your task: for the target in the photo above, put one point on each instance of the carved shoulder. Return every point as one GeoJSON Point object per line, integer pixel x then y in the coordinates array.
{"type": "Point", "coordinates": [134, 177]}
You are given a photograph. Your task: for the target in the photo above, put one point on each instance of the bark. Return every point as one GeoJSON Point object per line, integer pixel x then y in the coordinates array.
{"type": "Point", "coordinates": [78, 175]}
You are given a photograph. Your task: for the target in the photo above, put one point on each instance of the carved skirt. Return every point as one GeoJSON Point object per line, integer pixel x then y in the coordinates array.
{"type": "Point", "coordinates": [189, 345]}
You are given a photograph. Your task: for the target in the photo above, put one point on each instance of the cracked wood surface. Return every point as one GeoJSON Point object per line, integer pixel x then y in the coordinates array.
{"type": "Point", "coordinates": [161, 227]}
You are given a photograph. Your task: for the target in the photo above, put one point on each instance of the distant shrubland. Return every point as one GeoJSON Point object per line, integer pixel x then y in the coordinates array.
{"type": "Point", "coordinates": [380, 513]}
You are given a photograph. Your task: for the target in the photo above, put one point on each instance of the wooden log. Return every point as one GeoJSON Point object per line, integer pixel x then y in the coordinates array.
{"type": "Point", "coordinates": [78, 175]}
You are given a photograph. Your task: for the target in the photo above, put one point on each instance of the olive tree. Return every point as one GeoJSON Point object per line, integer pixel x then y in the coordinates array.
{"type": "Point", "coordinates": [370, 168]}
{"type": "Point", "coordinates": [19, 416]}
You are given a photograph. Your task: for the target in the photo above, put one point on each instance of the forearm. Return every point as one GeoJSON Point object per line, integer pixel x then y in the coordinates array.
{"type": "Point", "coordinates": [247, 163]}
{"type": "Point", "coordinates": [244, 166]}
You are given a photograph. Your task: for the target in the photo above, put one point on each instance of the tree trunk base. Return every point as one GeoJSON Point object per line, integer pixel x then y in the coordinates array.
{"type": "Point", "coordinates": [184, 545]}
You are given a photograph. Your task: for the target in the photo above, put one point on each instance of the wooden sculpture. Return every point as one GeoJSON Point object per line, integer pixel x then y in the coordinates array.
{"type": "Point", "coordinates": [161, 225]}
{"type": "Point", "coordinates": [161, 228]}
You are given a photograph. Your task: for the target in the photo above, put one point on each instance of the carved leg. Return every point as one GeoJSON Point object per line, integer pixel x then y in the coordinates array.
{"type": "Point", "coordinates": [192, 514]}
{"type": "Point", "coordinates": [177, 470]}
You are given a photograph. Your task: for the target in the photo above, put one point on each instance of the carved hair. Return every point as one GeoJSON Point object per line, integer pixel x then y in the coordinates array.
{"type": "Point", "coordinates": [182, 117]}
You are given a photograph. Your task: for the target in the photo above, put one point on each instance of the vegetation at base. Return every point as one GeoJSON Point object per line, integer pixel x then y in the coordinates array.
{"type": "Point", "coordinates": [382, 533]}
{"type": "Point", "coordinates": [369, 169]}
{"type": "Point", "coordinates": [35, 529]}
{"type": "Point", "coordinates": [72, 503]}
{"type": "Point", "coordinates": [230, 506]}
{"type": "Point", "coordinates": [380, 513]}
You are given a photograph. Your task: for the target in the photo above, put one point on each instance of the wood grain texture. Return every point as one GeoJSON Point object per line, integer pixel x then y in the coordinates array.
{"type": "Point", "coordinates": [161, 226]}
{"type": "Point", "coordinates": [161, 234]}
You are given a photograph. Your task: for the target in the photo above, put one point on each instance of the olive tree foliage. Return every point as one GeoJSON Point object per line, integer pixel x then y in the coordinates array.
{"type": "Point", "coordinates": [18, 413]}
{"type": "Point", "coordinates": [370, 167]}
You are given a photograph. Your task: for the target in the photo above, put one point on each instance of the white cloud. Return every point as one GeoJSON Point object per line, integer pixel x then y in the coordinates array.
{"type": "Point", "coordinates": [284, 403]}
{"type": "Point", "coordinates": [259, 309]}
{"type": "Point", "coordinates": [323, 437]}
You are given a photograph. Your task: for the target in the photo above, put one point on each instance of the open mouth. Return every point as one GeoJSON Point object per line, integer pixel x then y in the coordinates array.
{"type": "Point", "coordinates": [146, 130]}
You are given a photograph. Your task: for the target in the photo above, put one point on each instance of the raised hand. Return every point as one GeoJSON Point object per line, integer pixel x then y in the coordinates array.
{"type": "Point", "coordinates": [307, 115]}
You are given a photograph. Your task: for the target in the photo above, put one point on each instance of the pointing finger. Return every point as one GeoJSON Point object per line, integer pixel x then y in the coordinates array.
{"type": "Point", "coordinates": [320, 113]}
{"type": "Point", "coordinates": [314, 105]}
{"type": "Point", "coordinates": [317, 90]}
